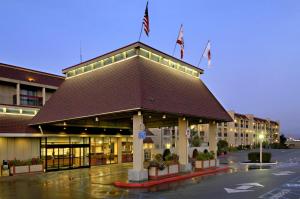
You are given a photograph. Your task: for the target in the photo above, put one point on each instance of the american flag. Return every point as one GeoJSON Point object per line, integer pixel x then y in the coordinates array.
{"type": "Point", "coordinates": [146, 21]}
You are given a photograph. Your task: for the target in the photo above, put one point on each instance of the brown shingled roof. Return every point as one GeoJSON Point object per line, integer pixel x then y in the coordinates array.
{"type": "Point", "coordinates": [19, 73]}
{"type": "Point", "coordinates": [16, 124]}
{"type": "Point", "coordinates": [136, 83]}
{"type": "Point", "coordinates": [240, 116]}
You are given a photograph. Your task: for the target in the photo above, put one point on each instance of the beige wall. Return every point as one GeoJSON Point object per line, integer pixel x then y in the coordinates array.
{"type": "Point", "coordinates": [19, 148]}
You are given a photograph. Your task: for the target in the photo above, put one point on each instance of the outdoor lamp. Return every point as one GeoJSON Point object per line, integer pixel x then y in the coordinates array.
{"type": "Point", "coordinates": [261, 136]}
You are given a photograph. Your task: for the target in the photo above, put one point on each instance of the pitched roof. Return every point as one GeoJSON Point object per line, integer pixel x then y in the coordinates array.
{"type": "Point", "coordinates": [240, 116]}
{"type": "Point", "coordinates": [133, 84]}
{"type": "Point", "coordinates": [16, 124]}
{"type": "Point", "coordinates": [259, 119]}
{"type": "Point", "coordinates": [23, 74]}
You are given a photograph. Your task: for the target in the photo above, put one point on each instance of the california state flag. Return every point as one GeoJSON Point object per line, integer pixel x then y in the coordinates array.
{"type": "Point", "coordinates": [180, 41]}
{"type": "Point", "coordinates": [207, 53]}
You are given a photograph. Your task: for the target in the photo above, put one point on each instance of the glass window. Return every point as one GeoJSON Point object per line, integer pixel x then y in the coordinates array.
{"type": "Point", "coordinates": [107, 61]}
{"type": "Point", "coordinates": [119, 57]}
{"type": "Point", "coordinates": [98, 64]}
{"type": "Point", "coordinates": [155, 57]}
{"type": "Point", "coordinates": [225, 134]}
{"type": "Point", "coordinates": [78, 71]}
{"type": "Point", "coordinates": [144, 53]}
{"type": "Point", "coordinates": [130, 53]}
{"type": "Point", "coordinates": [164, 61]}
{"type": "Point", "coordinates": [11, 110]}
{"type": "Point", "coordinates": [88, 68]}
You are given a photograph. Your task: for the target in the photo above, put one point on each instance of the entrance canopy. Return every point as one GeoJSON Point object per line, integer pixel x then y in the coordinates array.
{"type": "Point", "coordinates": [106, 91]}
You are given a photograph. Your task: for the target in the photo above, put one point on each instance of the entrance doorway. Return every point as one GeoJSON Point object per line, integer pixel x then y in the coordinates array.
{"type": "Point", "coordinates": [61, 155]}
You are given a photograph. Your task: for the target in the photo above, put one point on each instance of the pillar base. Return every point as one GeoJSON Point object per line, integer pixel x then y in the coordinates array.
{"type": "Point", "coordinates": [137, 176]}
{"type": "Point", "coordinates": [186, 167]}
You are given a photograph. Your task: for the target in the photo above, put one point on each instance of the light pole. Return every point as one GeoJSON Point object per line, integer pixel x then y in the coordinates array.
{"type": "Point", "coordinates": [261, 138]}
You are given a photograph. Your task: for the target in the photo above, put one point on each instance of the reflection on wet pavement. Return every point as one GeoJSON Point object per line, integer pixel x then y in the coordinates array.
{"type": "Point", "coordinates": [97, 182]}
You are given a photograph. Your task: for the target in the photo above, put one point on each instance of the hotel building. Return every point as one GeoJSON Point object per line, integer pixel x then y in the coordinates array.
{"type": "Point", "coordinates": [100, 110]}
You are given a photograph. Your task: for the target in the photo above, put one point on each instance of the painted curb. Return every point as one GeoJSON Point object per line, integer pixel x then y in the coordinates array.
{"type": "Point", "coordinates": [171, 179]}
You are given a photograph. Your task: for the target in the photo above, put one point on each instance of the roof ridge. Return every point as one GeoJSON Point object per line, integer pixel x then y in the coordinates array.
{"type": "Point", "coordinates": [31, 70]}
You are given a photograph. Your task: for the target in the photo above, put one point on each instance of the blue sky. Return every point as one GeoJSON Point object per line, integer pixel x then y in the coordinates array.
{"type": "Point", "coordinates": [255, 44]}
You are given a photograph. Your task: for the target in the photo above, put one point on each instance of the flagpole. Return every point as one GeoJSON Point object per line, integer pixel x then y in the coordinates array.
{"type": "Point", "coordinates": [203, 53]}
{"type": "Point", "coordinates": [141, 31]}
{"type": "Point", "coordinates": [176, 41]}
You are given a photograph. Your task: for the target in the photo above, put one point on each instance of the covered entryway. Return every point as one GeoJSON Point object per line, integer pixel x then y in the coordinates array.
{"type": "Point", "coordinates": [129, 90]}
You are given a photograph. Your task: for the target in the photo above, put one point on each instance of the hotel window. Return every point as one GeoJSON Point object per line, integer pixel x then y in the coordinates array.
{"type": "Point", "coordinates": [164, 61]}
{"type": "Point", "coordinates": [225, 134]}
{"type": "Point", "coordinates": [225, 123]}
{"type": "Point", "coordinates": [29, 97]}
{"type": "Point", "coordinates": [220, 134]}
{"type": "Point", "coordinates": [254, 135]}
{"type": "Point", "coordinates": [236, 124]}
{"type": "Point", "coordinates": [247, 124]}
{"type": "Point", "coordinates": [246, 134]}
{"type": "Point", "coordinates": [235, 135]}
{"type": "Point", "coordinates": [144, 53]}
{"type": "Point", "coordinates": [242, 135]}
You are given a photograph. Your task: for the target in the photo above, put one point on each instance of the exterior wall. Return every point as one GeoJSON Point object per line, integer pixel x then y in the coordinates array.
{"type": "Point", "coordinates": [8, 90]}
{"type": "Point", "coordinates": [19, 148]}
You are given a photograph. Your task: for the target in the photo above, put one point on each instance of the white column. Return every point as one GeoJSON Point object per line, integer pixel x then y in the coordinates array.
{"type": "Point", "coordinates": [213, 137]}
{"type": "Point", "coordinates": [183, 145]}
{"type": "Point", "coordinates": [138, 173]}
{"type": "Point", "coordinates": [182, 142]}
{"type": "Point", "coordinates": [119, 150]}
{"type": "Point", "coordinates": [44, 95]}
{"type": "Point", "coordinates": [18, 94]}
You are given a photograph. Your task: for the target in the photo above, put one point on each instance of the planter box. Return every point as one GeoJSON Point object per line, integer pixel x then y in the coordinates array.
{"type": "Point", "coordinates": [173, 169]}
{"type": "Point", "coordinates": [155, 173]}
{"type": "Point", "coordinates": [199, 164]}
{"type": "Point", "coordinates": [19, 169]}
{"type": "Point", "coordinates": [36, 168]}
{"type": "Point", "coordinates": [212, 163]}
{"type": "Point", "coordinates": [26, 169]}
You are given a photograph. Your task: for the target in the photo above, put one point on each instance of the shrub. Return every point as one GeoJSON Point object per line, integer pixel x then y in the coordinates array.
{"type": "Point", "coordinates": [158, 157]}
{"type": "Point", "coordinates": [196, 141]}
{"type": "Point", "coordinates": [206, 156]}
{"type": "Point", "coordinates": [255, 157]}
{"type": "Point", "coordinates": [166, 153]}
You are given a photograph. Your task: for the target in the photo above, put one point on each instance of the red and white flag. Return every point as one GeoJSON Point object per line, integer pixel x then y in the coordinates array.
{"type": "Point", "coordinates": [207, 53]}
{"type": "Point", "coordinates": [180, 41]}
{"type": "Point", "coordinates": [146, 23]}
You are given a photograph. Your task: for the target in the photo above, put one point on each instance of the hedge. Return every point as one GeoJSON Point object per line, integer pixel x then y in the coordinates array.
{"type": "Point", "coordinates": [255, 157]}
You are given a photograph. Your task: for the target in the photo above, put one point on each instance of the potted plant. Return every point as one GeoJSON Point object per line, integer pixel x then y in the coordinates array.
{"type": "Point", "coordinates": [36, 165]}
{"type": "Point", "coordinates": [202, 161]}
{"type": "Point", "coordinates": [162, 166]}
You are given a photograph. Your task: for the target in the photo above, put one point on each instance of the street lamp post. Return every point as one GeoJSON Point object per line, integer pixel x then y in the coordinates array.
{"type": "Point", "coordinates": [261, 138]}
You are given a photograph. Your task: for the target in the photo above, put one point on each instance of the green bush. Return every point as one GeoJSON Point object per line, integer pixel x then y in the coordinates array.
{"type": "Point", "coordinates": [196, 141]}
{"type": "Point", "coordinates": [254, 157]}
{"type": "Point", "coordinates": [166, 153]}
{"type": "Point", "coordinates": [206, 156]}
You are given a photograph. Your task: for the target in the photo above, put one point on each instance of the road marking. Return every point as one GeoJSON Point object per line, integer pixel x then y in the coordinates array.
{"type": "Point", "coordinates": [292, 185]}
{"type": "Point", "coordinates": [253, 184]}
{"type": "Point", "coordinates": [244, 187]}
{"type": "Point", "coordinates": [283, 173]}
{"type": "Point", "coordinates": [236, 190]}
{"type": "Point", "coordinates": [276, 194]}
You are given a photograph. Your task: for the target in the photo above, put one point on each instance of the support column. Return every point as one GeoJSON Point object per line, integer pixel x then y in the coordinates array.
{"type": "Point", "coordinates": [138, 173]}
{"type": "Point", "coordinates": [213, 137]}
{"type": "Point", "coordinates": [183, 145]}
{"type": "Point", "coordinates": [44, 95]}
{"type": "Point", "coordinates": [18, 93]}
{"type": "Point", "coordinates": [119, 150]}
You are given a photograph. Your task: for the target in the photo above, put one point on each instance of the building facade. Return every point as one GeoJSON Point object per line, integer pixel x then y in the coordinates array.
{"type": "Point", "coordinates": [245, 130]}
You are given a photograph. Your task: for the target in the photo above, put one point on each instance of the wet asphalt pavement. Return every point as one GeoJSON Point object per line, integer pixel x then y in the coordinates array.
{"type": "Point", "coordinates": [280, 181]}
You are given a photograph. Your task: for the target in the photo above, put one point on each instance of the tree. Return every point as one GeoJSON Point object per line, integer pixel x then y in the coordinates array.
{"type": "Point", "coordinates": [222, 146]}
{"type": "Point", "coordinates": [282, 139]}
